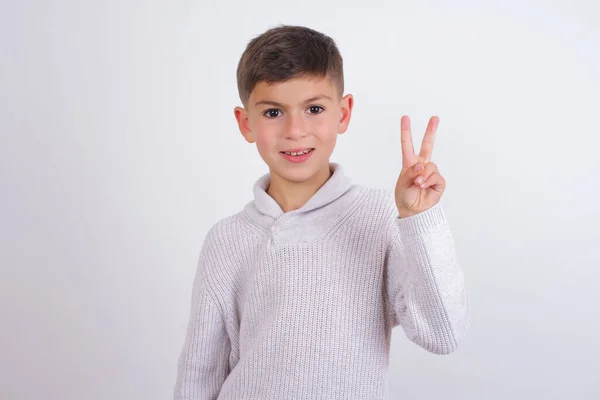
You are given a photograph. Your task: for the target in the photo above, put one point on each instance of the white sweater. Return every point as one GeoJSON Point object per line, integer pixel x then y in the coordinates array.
{"type": "Point", "coordinates": [300, 305]}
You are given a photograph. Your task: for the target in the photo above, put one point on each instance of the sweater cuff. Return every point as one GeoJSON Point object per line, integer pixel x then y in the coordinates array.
{"type": "Point", "coordinates": [421, 223]}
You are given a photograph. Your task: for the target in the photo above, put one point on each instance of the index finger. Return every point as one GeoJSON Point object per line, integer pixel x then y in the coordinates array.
{"type": "Point", "coordinates": [408, 151]}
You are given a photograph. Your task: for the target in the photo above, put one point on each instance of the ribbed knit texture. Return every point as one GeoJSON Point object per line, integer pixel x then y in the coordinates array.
{"type": "Point", "coordinates": [301, 305]}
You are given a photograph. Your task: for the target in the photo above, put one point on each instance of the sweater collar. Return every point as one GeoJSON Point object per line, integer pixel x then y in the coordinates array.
{"type": "Point", "coordinates": [337, 184]}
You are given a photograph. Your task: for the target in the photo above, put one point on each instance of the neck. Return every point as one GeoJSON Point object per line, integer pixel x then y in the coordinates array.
{"type": "Point", "coordinates": [292, 195]}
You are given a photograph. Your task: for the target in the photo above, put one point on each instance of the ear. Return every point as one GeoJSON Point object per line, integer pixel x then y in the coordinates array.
{"type": "Point", "coordinates": [347, 103]}
{"type": "Point", "coordinates": [241, 116]}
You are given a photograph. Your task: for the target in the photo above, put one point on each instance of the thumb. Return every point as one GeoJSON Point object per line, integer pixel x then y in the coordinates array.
{"type": "Point", "coordinates": [416, 169]}
{"type": "Point", "coordinates": [408, 176]}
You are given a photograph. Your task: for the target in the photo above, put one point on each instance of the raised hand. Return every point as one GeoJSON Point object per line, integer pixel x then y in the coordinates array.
{"type": "Point", "coordinates": [420, 185]}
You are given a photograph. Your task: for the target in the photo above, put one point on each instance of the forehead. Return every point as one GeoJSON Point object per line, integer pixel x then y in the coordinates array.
{"type": "Point", "coordinates": [293, 91]}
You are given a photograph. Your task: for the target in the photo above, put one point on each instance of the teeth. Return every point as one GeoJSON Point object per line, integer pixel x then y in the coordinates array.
{"type": "Point", "coordinates": [296, 154]}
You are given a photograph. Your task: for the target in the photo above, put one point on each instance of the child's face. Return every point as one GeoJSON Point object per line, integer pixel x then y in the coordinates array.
{"type": "Point", "coordinates": [299, 113]}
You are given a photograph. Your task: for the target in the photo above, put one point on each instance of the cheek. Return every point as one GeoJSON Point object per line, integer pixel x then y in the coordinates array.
{"type": "Point", "coordinates": [265, 141]}
{"type": "Point", "coordinates": [327, 129]}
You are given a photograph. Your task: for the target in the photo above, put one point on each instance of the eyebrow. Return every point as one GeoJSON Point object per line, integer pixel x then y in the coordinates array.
{"type": "Point", "coordinates": [276, 104]}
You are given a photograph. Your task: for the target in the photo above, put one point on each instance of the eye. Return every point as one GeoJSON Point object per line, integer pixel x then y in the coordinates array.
{"type": "Point", "coordinates": [316, 109]}
{"type": "Point", "coordinates": [272, 113]}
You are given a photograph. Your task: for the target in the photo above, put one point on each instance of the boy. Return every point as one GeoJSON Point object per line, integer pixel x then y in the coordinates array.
{"type": "Point", "coordinates": [296, 295]}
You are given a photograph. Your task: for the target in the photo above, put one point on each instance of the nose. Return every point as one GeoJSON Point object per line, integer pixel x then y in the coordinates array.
{"type": "Point", "coordinates": [295, 127]}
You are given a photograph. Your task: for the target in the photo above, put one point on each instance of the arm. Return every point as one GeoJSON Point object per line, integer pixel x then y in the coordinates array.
{"type": "Point", "coordinates": [204, 359]}
{"type": "Point", "coordinates": [425, 285]}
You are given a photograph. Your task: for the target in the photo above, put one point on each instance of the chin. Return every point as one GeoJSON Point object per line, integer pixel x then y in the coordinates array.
{"type": "Point", "coordinates": [300, 172]}
{"type": "Point", "coordinates": [296, 173]}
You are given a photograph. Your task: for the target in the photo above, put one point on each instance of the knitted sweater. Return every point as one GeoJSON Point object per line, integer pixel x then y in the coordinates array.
{"type": "Point", "coordinates": [300, 305]}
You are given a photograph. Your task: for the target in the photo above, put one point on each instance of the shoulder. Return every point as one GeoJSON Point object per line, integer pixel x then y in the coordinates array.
{"type": "Point", "coordinates": [223, 234]}
{"type": "Point", "coordinates": [221, 250]}
{"type": "Point", "coordinates": [379, 204]}
{"type": "Point", "coordinates": [377, 211]}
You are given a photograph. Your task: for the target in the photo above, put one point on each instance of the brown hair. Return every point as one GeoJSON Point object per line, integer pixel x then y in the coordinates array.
{"type": "Point", "coordinates": [287, 52]}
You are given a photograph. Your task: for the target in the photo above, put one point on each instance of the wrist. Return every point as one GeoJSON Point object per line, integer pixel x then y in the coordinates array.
{"type": "Point", "coordinates": [405, 214]}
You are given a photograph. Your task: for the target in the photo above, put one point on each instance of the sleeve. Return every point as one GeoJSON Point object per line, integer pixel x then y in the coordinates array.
{"type": "Point", "coordinates": [204, 360]}
{"type": "Point", "coordinates": [425, 284]}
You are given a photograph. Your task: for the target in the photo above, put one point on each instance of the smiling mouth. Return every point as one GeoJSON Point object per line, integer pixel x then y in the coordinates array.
{"type": "Point", "coordinates": [297, 153]}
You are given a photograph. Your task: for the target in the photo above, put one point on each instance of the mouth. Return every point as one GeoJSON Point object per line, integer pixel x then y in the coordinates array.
{"type": "Point", "coordinates": [298, 156]}
{"type": "Point", "coordinates": [298, 152]}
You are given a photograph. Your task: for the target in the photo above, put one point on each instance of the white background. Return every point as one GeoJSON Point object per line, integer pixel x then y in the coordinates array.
{"type": "Point", "coordinates": [119, 150]}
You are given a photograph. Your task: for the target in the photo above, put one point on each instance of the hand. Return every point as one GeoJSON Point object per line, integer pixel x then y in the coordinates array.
{"type": "Point", "coordinates": [413, 195]}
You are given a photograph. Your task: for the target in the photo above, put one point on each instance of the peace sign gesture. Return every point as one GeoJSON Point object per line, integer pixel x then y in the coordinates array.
{"type": "Point", "coordinates": [420, 185]}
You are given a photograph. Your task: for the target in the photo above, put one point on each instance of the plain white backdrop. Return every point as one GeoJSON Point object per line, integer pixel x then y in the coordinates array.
{"type": "Point", "coordinates": [119, 150]}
